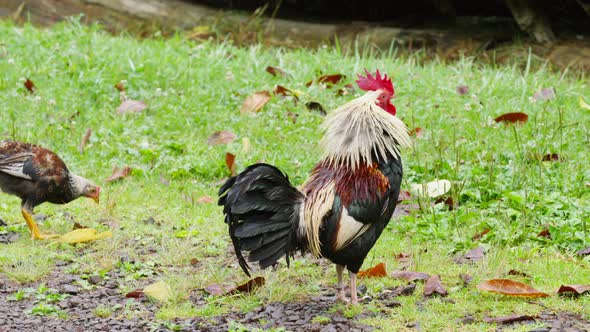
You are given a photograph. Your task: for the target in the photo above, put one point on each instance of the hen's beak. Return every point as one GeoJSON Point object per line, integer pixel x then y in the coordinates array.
{"type": "Point", "coordinates": [96, 195]}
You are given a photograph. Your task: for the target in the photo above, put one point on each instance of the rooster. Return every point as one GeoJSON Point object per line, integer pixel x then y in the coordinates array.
{"type": "Point", "coordinates": [37, 175]}
{"type": "Point", "coordinates": [342, 208]}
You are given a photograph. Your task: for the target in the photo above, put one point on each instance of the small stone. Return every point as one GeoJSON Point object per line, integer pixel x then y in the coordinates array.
{"type": "Point", "coordinates": [94, 280]}
{"type": "Point", "coordinates": [69, 289]}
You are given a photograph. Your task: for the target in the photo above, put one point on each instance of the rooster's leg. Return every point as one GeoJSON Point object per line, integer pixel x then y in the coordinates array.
{"type": "Point", "coordinates": [35, 233]}
{"type": "Point", "coordinates": [341, 295]}
{"type": "Point", "coordinates": [353, 297]}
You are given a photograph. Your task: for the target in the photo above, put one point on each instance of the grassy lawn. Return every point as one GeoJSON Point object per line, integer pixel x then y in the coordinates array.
{"type": "Point", "coordinates": [193, 89]}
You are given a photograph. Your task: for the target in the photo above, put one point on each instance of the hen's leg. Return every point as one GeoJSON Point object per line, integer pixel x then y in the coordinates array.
{"type": "Point", "coordinates": [341, 295]}
{"type": "Point", "coordinates": [353, 296]}
{"type": "Point", "coordinates": [35, 233]}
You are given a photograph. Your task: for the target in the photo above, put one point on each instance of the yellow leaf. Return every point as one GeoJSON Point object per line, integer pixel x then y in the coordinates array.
{"type": "Point", "coordinates": [159, 291]}
{"type": "Point", "coordinates": [83, 235]}
{"type": "Point", "coordinates": [584, 104]}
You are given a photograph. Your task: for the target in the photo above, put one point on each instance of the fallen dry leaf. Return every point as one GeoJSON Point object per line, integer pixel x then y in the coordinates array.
{"type": "Point", "coordinates": [274, 71]}
{"type": "Point", "coordinates": [221, 137]}
{"type": "Point", "coordinates": [515, 117]}
{"type": "Point", "coordinates": [584, 252]}
{"type": "Point", "coordinates": [544, 233]}
{"type": "Point", "coordinates": [119, 173]}
{"type": "Point", "coordinates": [205, 200]}
{"type": "Point", "coordinates": [282, 91]}
{"type": "Point", "coordinates": [194, 262]}
{"type": "Point", "coordinates": [409, 275]}
{"type": "Point", "coordinates": [328, 79]}
{"type": "Point", "coordinates": [30, 86]}
{"type": "Point", "coordinates": [434, 286]}
{"type": "Point", "coordinates": [508, 319]}
{"type": "Point", "coordinates": [544, 94]}
{"type": "Point", "coordinates": [131, 106]}
{"type": "Point", "coordinates": [510, 288]}
{"type": "Point", "coordinates": [230, 159]}
{"type": "Point", "coordinates": [402, 257]}
{"type": "Point", "coordinates": [551, 157]}
{"type": "Point", "coordinates": [246, 287]}
{"type": "Point", "coordinates": [575, 289]}
{"type": "Point", "coordinates": [377, 271]}
{"type": "Point", "coordinates": [255, 102]}
{"type": "Point", "coordinates": [315, 106]}
{"type": "Point", "coordinates": [432, 189]}
{"type": "Point", "coordinates": [135, 294]}
{"type": "Point", "coordinates": [473, 255]}
{"type": "Point", "coordinates": [481, 234]}
{"type": "Point", "coordinates": [159, 291]}
{"type": "Point", "coordinates": [85, 139]}
{"type": "Point", "coordinates": [462, 90]}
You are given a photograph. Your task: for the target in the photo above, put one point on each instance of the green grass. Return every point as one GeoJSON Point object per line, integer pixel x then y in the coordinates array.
{"type": "Point", "coordinates": [194, 89]}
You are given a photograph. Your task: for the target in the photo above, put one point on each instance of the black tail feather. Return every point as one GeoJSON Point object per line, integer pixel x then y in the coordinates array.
{"type": "Point", "coordinates": [262, 210]}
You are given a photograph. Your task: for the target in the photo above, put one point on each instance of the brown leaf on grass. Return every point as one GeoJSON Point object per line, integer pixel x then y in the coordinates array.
{"type": "Point", "coordinates": [131, 106]}
{"type": "Point", "coordinates": [345, 90]}
{"type": "Point", "coordinates": [472, 256]}
{"type": "Point", "coordinates": [221, 137]}
{"type": "Point", "coordinates": [120, 86]}
{"type": "Point", "coordinates": [328, 79]}
{"type": "Point", "coordinates": [545, 233]}
{"type": "Point", "coordinates": [282, 91]}
{"type": "Point", "coordinates": [481, 234]}
{"type": "Point", "coordinates": [518, 273]}
{"type": "Point", "coordinates": [462, 90]}
{"type": "Point", "coordinates": [194, 262]}
{"type": "Point", "coordinates": [466, 278]}
{"type": "Point", "coordinates": [584, 252]}
{"type": "Point", "coordinates": [510, 288]}
{"type": "Point", "coordinates": [205, 200]}
{"type": "Point", "coordinates": [249, 285]}
{"type": "Point", "coordinates": [255, 102]}
{"type": "Point", "coordinates": [274, 71]}
{"type": "Point", "coordinates": [119, 173]}
{"type": "Point", "coordinates": [434, 286]}
{"type": "Point", "coordinates": [230, 159]}
{"type": "Point", "coordinates": [418, 132]}
{"type": "Point", "coordinates": [315, 106]}
{"type": "Point", "coordinates": [85, 139]}
{"type": "Point", "coordinates": [514, 117]}
{"type": "Point", "coordinates": [409, 275]}
{"type": "Point", "coordinates": [544, 94]}
{"type": "Point", "coordinates": [551, 157]}
{"type": "Point", "coordinates": [575, 289]}
{"type": "Point", "coordinates": [508, 319]}
{"type": "Point", "coordinates": [404, 195]}
{"type": "Point", "coordinates": [246, 287]}
{"type": "Point", "coordinates": [135, 294]}
{"type": "Point", "coordinates": [376, 271]}
{"type": "Point", "coordinates": [30, 86]}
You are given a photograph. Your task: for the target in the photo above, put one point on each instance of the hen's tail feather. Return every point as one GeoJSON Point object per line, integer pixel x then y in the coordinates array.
{"type": "Point", "coordinates": [262, 210]}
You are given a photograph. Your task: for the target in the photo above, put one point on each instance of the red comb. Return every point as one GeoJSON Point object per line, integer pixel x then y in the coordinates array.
{"type": "Point", "coordinates": [373, 83]}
